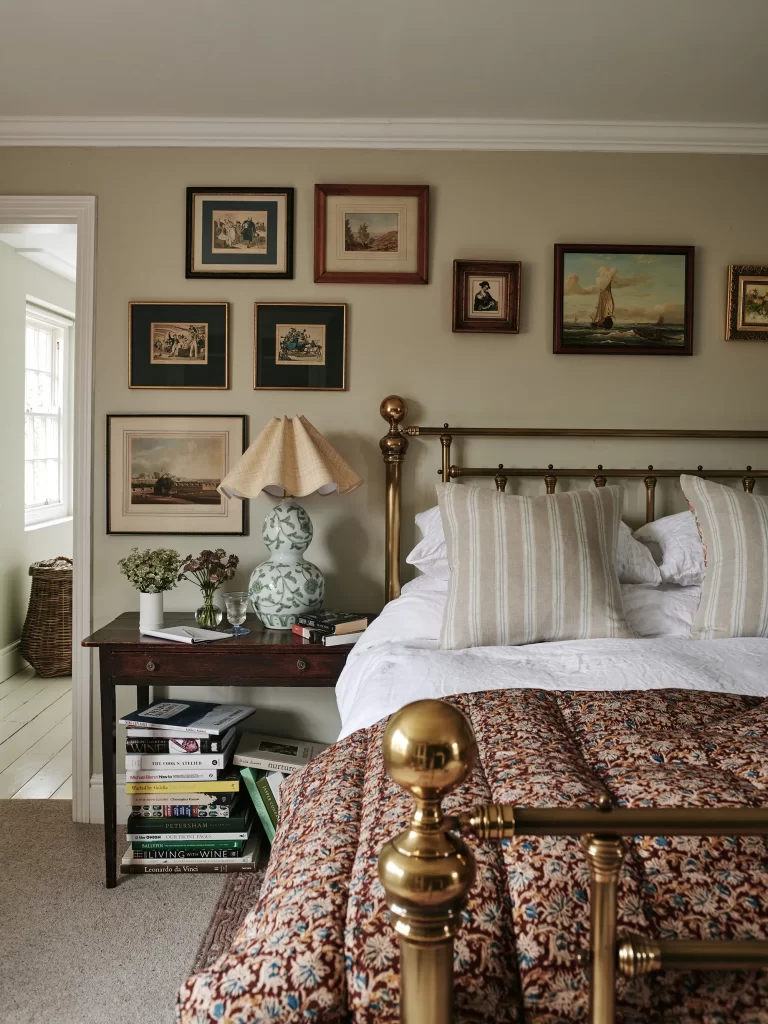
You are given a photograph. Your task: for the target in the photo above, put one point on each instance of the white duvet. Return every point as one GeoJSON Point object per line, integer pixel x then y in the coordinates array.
{"type": "Point", "coordinates": [397, 660]}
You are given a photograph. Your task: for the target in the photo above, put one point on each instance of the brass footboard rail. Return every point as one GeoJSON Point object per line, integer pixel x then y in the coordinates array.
{"type": "Point", "coordinates": [428, 870]}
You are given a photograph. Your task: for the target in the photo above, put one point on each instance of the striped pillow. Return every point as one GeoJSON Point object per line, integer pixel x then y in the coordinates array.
{"type": "Point", "coordinates": [733, 526]}
{"type": "Point", "coordinates": [530, 569]}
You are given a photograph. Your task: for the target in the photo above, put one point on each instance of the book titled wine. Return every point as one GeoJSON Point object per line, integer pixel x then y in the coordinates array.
{"type": "Point", "coordinates": [247, 860]}
{"type": "Point", "coordinates": [274, 753]}
{"type": "Point", "coordinates": [151, 741]}
{"type": "Point", "coordinates": [134, 762]}
{"type": "Point", "coordinates": [231, 853]}
{"type": "Point", "coordinates": [195, 717]}
{"type": "Point", "coordinates": [332, 621]}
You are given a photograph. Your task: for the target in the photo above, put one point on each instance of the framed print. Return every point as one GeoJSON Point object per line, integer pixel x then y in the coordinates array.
{"type": "Point", "coordinates": [486, 297]}
{"type": "Point", "coordinates": [624, 299]}
{"type": "Point", "coordinates": [178, 345]}
{"type": "Point", "coordinates": [747, 312]}
{"type": "Point", "coordinates": [300, 346]}
{"type": "Point", "coordinates": [371, 234]}
{"type": "Point", "coordinates": [240, 232]}
{"type": "Point", "coordinates": [163, 472]}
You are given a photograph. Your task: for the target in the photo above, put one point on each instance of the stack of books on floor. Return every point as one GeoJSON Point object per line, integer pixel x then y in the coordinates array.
{"type": "Point", "coordinates": [264, 763]}
{"type": "Point", "coordinates": [331, 627]}
{"type": "Point", "coordinates": [188, 813]}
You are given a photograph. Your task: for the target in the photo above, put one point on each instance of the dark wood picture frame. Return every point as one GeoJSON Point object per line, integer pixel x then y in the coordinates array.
{"type": "Point", "coordinates": [300, 378]}
{"type": "Point", "coordinates": [653, 347]}
{"type": "Point", "coordinates": [417, 276]}
{"type": "Point", "coordinates": [735, 330]}
{"type": "Point", "coordinates": [287, 192]}
{"type": "Point", "coordinates": [243, 519]}
{"type": "Point", "coordinates": [508, 320]}
{"type": "Point", "coordinates": [143, 374]}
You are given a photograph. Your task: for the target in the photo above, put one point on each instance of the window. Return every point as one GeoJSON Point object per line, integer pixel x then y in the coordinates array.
{"type": "Point", "coordinates": [47, 469]}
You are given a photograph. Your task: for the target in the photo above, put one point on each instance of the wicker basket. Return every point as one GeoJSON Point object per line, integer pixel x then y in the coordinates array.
{"type": "Point", "coordinates": [46, 640]}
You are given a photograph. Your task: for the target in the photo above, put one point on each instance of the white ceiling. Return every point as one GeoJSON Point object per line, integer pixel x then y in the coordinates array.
{"type": "Point", "coordinates": [605, 60]}
{"type": "Point", "coordinates": [53, 246]}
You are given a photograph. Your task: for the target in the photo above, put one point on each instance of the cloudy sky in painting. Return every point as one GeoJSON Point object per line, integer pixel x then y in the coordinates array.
{"type": "Point", "coordinates": [644, 286]}
{"type": "Point", "coordinates": [189, 458]}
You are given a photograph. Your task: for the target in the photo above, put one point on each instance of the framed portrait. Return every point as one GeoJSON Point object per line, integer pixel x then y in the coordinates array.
{"type": "Point", "coordinates": [486, 297]}
{"type": "Point", "coordinates": [178, 345]}
{"type": "Point", "coordinates": [747, 312]}
{"type": "Point", "coordinates": [624, 299]}
{"type": "Point", "coordinates": [240, 232]}
{"type": "Point", "coordinates": [300, 346]}
{"type": "Point", "coordinates": [163, 472]}
{"type": "Point", "coordinates": [371, 234]}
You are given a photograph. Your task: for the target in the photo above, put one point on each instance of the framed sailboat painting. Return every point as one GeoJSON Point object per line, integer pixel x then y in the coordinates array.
{"type": "Point", "coordinates": [624, 299]}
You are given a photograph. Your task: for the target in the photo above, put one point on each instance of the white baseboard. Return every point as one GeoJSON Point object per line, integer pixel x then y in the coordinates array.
{"type": "Point", "coordinates": [96, 816]}
{"type": "Point", "coordinates": [11, 661]}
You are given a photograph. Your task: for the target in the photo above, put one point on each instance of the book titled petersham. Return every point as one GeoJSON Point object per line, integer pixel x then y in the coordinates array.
{"type": "Point", "coordinates": [274, 753]}
{"type": "Point", "coordinates": [196, 717]}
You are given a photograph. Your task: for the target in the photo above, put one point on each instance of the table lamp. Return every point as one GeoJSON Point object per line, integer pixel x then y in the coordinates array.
{"type": "Point", "coordinates": [288, 459]}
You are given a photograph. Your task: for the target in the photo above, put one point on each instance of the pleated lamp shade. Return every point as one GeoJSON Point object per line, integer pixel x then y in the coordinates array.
{"type": "Point", "coordinates": [289, 457]}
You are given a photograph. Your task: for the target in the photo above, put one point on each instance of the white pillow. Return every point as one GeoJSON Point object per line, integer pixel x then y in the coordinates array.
{"type": "Point", "coordinates": [634, 561]}
{"type": "Point", "coordinates": [680, 551]}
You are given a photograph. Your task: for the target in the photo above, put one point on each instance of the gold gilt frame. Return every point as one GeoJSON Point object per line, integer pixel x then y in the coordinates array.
{"type": "Point", "coordinates": [429, 748]}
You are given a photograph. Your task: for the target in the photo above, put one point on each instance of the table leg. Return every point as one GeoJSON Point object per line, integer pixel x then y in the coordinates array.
{"type": "Point", "coordinates": [142, 697]}
{"type": "Point", "coordinates": [109, 766]}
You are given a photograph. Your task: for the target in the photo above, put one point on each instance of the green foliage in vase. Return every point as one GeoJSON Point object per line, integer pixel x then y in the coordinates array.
{"type": "Point", "coordinates": [153, 570]}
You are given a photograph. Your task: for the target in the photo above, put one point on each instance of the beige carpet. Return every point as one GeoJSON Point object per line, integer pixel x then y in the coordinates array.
{"type": "Point", "coordinates": [74, 952]}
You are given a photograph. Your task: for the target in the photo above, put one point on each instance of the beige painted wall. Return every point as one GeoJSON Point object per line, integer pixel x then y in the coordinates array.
{"type": "Point", "coordinates": [484, 205]}
{"type": "Point", "coordinates": [20, 277]}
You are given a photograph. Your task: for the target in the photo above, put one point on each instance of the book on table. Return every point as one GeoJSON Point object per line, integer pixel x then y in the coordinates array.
{"type": "Point", "coordinates": [275, 753]}
{"type": "Point", "coordinates": [178, 761]}
{"type": "Point", "coordinates": [186, 634]}
{"type": "Point", "coordinates": [332, 621]}
{"type": "Point", "coordinates": [192, 717]}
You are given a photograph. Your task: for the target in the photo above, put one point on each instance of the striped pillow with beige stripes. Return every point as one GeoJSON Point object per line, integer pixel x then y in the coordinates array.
{"type": "Point", "coordinates": [526, 569]}
{"type": "Point", "coordinates": [733, 527]}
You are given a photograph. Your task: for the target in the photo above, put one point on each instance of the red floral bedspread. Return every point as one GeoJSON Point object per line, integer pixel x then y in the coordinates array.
{"type": "Point", "coordinates": [318, 946]}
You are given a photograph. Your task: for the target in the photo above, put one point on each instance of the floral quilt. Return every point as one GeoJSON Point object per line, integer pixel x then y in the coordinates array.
{"type": "Point", "coordinates": [318, 946]}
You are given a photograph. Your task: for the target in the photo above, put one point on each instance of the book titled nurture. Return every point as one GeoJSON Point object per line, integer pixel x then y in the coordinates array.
{"type": "Point", "coordinates": [274, 753]}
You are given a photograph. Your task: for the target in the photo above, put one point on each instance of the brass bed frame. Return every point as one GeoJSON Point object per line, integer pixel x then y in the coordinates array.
{"type": "Point", "coordinates": [428, 870]}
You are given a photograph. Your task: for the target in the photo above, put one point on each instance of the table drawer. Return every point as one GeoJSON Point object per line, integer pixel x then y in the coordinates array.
{"type": "Point", "coordinates": [294, 667]}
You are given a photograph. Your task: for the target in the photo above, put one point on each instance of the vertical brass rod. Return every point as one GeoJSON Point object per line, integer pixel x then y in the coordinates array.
{"type": "Point", "coordinates": [605, 855]}
{"type": "Point", "coordinates": [650, 498]}
{"type": "Point", "coordinates": [393, 447]}
{"type": "Point", "coordinates": [426, 983]}
{"type": "Point", "coordinates": [445, 441]}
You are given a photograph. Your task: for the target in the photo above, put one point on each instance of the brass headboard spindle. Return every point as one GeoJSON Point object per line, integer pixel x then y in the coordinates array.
{"type": "Point", "coordinates": [445, 442]}
{"type": "Point", "coordinates": [550, 481]}
{"type": "Point", "coordinates": [650, 497]}
{"type": "Point", "coordinates": [600, 480]}
{"type": "Point", "coordinates": [393, 446]}
{"type": "Point", "coordinates": [748, 481]}
{"type": "Point", "coordinates": [500, 479]}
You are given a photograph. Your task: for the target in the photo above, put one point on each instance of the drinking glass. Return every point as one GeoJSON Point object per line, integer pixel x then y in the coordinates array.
{"type": "Point", "coordinates": [237, 605]}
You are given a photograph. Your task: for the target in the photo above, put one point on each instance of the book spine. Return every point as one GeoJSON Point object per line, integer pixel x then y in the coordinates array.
{"type": "Point", "coordinates": [169, 762]}
{"type": "Point", "coordinates": [161, 745]}
{"type": "Point", "coordinates": [251, 784]}
{"type": "Point", "coordinates": [229, 848]}
{"type": "Point", "coordinates": [204, 826]}
{"type": "Point", "coordinates": [210, 867]}
{"type": "Point", "coordinates": [317, 627]}
{"type": "Point", "coordinates": [171, 775]}
{"type": "Point", "coordinates": [180, 811]}
{"type": "Point", "coordinates": [307, 634]}
{"type": "Point", "coordinates": [254, 761]}
{"type": "Point", "coordinates": [268, 798]}
{"type": "Point", "coordinates": [170, 788]}
{"type": "Point", "coordinates": [194, 837]}
{"type": "Point", "coordinates": [140, 723]}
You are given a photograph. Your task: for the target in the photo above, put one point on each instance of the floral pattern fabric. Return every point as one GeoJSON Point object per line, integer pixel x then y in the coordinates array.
{"type": "Point", "coordinates": [319, 947]}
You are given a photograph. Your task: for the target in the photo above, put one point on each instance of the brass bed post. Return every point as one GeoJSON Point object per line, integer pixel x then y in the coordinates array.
{"type": "Point", "coordinates": [605, 855]}
{"type": "Point", "coordinates": [427, 871]}
{"type": "Point", "coordinates": [393, 446]}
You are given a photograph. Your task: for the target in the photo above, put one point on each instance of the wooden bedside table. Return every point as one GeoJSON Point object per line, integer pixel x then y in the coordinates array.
{"type": "Point", "coordinates": [126, 658]}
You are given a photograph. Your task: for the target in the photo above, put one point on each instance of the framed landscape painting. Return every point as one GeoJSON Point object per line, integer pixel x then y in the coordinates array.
{"type": "Point", "coordinates": [240, 232]}
{"type": "Point", "coordinates": [300, 346]}
{"type": "Point", "coordinates": [371, 234]}
{"type": "Point", "coordinates": [747, 313]}
{"type": "Point", "coordinates": [624, 299]}
{"type": "Point", "coordinates": [163, 472]}
{"type": "Point", "coordinates": [178, 345]}
{"type": "Point", "coordinates": [486, 297]}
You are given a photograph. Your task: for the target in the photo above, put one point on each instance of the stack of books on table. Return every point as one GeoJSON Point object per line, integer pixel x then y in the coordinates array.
{"type": "Point", "coordinates": [331, 627]}
{"type": "Point", "coordinates": [264, 763]}
{"type": "Point", "coordinates": [188, 813]}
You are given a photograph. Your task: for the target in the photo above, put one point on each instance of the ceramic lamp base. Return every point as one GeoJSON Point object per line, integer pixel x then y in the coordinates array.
{"type": "Point", "coordinates": [286, 585]}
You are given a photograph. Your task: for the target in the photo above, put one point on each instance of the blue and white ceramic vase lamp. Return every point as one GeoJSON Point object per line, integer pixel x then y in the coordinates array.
{"type": "Point", "coordinates": [288, 459]}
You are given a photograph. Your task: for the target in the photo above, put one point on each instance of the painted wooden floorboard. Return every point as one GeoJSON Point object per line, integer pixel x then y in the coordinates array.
{"type": "Point", "coordinates": [35, 737]}
{"type": "Point", "coordinates": [20, 697]}
{"type": "Point", "coordinates": [64, 792]}
{"type": "Point", "coordinates": [27, 735]}
{"type": "Point", "coordinates": [14, 682]}
{"type": "Point", "coordinates": [45, 782]}
{"type": "Point", "coordinates": [37, 702]}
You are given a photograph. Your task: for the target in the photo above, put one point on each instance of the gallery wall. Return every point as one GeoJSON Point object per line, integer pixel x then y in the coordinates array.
{"type": "Point", "coordinates": [483, 205]}
{"type": "Point", "coordinates": [19, 277]}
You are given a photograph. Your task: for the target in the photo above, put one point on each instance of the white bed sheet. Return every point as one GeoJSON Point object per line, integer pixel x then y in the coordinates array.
{"type": "Point", "coordinates": [397, 660]}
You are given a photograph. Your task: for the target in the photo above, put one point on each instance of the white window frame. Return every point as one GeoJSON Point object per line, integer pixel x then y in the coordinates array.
{"type": "Point", "coordinates": [44, 515]}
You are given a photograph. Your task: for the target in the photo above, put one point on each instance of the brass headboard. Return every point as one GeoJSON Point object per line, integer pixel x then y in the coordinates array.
{"type": "Point", "coordinates": [394, 446]}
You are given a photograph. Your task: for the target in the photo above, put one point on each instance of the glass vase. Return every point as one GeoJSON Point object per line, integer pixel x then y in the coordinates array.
{"type": "Point", "coordinates": [208, 615]}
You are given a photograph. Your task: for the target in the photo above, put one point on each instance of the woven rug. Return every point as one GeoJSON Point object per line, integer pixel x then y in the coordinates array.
{"type": "Point", "coordinates": [240, 894]}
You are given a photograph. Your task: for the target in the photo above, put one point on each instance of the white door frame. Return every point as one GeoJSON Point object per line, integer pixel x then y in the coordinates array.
{"type": "Point", "coordinates": [79, 210]}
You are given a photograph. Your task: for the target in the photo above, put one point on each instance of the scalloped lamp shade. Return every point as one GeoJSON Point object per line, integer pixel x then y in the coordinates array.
{"type": "Point", "coordinates": [289, 457]}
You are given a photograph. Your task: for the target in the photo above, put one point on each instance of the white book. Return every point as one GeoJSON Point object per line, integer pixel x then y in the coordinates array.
{"type": "Point", "coordinates": [165, 762]}
{"type": "Point", "coordinates": [188, 717]}
{"type": "Point", "coordinates": [341, 638]}
{"type": "Point", "coordinates": [275, 753]}
{"type": "Point", "coordinates": [187, 634]}
{"type": "Point", "coordinates": [171, 774]}
{"type": "Point", "coordinates": [246, 858]}
{"type": "Point", "coordinates": [178, 837]}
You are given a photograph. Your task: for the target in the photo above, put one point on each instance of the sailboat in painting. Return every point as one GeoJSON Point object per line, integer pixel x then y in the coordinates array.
{"type": "Point", "coordinates": [603, 315]}
{"type": "Point", "coordinates": [652, 333]}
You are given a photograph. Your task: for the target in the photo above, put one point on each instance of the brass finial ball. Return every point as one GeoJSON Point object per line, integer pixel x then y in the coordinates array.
{"type": "Point", "coordinates": [429, 748]}
{"type": "Point", "coordinates": [393, 408]}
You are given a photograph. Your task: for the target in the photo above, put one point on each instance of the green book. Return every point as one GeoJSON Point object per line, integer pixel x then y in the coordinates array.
{"type": "Point", "coordinates": [169, 844]}
{"type": "Point", "coordinates": [239, 821]}
{"type": "Point", "coordinates": [268, 797]}
{"type": "Point", "coordinates": [251, 777]}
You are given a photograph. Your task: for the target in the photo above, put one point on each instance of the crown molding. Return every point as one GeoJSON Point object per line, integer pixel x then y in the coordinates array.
{"type": "Point", "coordinates": [386, 133]}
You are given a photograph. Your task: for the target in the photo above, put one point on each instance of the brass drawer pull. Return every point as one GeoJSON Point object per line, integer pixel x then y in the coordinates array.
{"type": "Point", "coordinates": [301, 664]}
{"type": "Point", "coordinates": [150, 666]}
